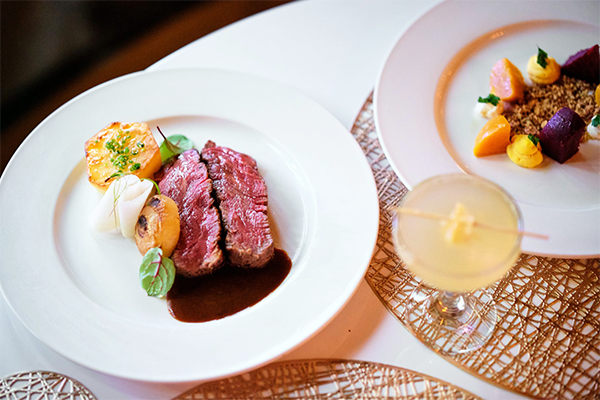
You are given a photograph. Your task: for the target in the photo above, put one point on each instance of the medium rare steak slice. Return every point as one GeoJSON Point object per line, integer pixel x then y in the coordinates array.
{"type": "Point", "coordinates": [242, 198]}
{"type": "Point", "coordinates": [186, 181]}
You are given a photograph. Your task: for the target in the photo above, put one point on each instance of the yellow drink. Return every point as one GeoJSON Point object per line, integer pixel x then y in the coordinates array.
{"type": "Point", "coordinates": [483, 257]}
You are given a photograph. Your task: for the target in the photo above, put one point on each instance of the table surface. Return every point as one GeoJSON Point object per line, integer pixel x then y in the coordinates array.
{"type": "Point", "coordinates": [331, 51]}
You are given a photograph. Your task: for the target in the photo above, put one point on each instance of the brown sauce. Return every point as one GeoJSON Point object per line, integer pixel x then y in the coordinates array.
{"type": "Point", "coordinates": [226, 291]}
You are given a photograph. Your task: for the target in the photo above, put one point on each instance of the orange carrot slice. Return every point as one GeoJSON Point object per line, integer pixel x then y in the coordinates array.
{"type": "Point", "coordinates": [506, 81]}
{"type": "Point", "coordinates": [493, 137]}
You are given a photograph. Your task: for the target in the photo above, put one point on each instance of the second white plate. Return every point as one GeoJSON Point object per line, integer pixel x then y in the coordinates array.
{"type": "Point", "coordinates": [430, 83]}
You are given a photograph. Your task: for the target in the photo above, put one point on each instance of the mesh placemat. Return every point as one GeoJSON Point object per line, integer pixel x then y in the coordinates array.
{"type": "Point", "coordinates": [46, 385]}
{"type": "Point", "coordinates": [328, 379]}
{"type": "Point", "coordinates": [547, 343]}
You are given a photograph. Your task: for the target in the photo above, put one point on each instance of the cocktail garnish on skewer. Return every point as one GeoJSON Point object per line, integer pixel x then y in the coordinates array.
{"type": "Point", "coordinates": [459, 224]}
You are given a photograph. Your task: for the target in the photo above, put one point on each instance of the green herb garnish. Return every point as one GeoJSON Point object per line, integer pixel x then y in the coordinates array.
{"type": "Point", "coordinates": [155, 184]}
{"type": "Point", "coordinates": [542, 58]}
{"type": "Point", "coordinates": [157, 273]}
{"type": "Point", "coordinates": [492, 99]}
{"type": "Point", "coordinates": [118, 190]}
{"type": "Point", "coordinates": [116, 174]}
{"type": "Point", "coordinates": [173, 145]}
{"type": "Point", "coordinates": [534, 139]}
{"type": "Point", "coordinates": [596, 120]}
{"type": "Point", "coordinates": [120, 152]}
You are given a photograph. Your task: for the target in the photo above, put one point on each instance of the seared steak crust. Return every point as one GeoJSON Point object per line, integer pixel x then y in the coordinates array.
{"type": "Point", "coordinates": [186, 181]}
{"type": "Point", "coordinates": [242, 199]}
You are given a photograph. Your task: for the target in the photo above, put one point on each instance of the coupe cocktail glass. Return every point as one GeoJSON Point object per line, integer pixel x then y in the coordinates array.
{"type": "Point", "coordinates": [459, 316]}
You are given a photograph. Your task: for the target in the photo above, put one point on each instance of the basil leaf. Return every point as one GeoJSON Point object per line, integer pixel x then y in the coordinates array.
{"type": "Point", "coordinates": [173, 145]}
{"type": "Point", "coordinates": [489, 99]}
{"type": "Point", "coordinates": [157, 273]}
{"type": "Point", "coordinates": [542, 58]}
{"type": "Point", "coordinates": [596, 120]}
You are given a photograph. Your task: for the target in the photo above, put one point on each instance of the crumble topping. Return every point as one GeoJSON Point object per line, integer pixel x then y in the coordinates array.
{"type": "Point", "coordinates": [541, 102]}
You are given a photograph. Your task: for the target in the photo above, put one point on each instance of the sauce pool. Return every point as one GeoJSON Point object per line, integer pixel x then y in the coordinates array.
{"type": "Point", "coordinates": [226, 291]}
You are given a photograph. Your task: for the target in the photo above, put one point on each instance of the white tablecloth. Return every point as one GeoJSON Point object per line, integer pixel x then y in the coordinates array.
{"type": "Point", "coordinates": [332, 51]}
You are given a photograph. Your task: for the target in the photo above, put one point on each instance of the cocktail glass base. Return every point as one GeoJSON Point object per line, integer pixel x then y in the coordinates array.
{"type": "Point", "coordinates": [450, 323]}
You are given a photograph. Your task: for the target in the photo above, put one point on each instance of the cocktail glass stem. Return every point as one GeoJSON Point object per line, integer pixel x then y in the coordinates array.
{"type": "Point", "coordinates": [450, 305]}
{"type": "Point", "coordinates": [451, 323]}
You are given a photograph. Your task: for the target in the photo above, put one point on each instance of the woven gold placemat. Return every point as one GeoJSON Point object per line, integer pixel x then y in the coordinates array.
{"type": "Point", "coordinates": [328, 379]}
{"type": "Point", "coordinates": [547, 343]}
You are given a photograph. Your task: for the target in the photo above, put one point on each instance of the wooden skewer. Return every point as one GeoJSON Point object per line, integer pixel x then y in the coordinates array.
{"type": "Point", "coordinates": [439, 217]}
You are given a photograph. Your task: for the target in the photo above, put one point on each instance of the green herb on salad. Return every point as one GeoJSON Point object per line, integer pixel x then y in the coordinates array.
{"type": "Point", "coordinates": [542, 58]}
{"type": "Point", "coordinates": [534, 139]}
{"type": "Point", "coordinates": [492, 99]}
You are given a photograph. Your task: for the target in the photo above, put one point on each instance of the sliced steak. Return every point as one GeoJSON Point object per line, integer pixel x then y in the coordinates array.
{"type": "Point", "coordinates": [242, 198]}
{"type": "Point", "coordinates": [186, 181]}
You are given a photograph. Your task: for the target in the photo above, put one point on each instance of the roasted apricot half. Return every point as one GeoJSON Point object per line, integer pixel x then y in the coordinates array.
{"type": "Point", "coordinates": [493, 137]}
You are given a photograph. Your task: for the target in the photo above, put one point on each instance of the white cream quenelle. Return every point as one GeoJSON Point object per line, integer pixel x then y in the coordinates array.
{"type": "Point", "coordinates": [121, 205]}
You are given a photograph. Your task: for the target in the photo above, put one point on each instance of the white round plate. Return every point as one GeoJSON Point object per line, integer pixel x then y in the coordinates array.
{"type": "Point", "coordinates": [428, 88]}
{"type": "Point", "coordinates": [78, 291]}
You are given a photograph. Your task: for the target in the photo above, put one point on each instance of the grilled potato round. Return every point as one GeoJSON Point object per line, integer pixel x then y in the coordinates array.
{"type": "Point", "coordinates": [158, 225]}
{"type": "Point", "coordinates": [121, 148]}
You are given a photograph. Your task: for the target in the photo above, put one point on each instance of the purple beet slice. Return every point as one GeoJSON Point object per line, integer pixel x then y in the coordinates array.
{"type": "Point", "coordinates": [562, 134]}
{"type": "Point", "coordinates": [584, 65]}
{"type": "Point", "coordinates": [185, 180]}
{"type": "Point", "coordinates": [242, 197]}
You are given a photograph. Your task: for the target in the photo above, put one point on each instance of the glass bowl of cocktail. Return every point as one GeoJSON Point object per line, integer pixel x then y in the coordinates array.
{"type": "Point", "coordinates": [458, 233]}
